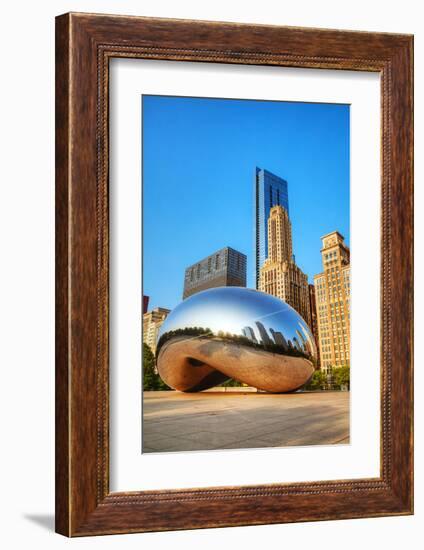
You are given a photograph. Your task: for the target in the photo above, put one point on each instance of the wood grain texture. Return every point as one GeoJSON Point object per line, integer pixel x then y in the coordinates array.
{"type": "Point", "coordinates": [62, 450]}
{"type": "Point", "coordinates": [84, 45]}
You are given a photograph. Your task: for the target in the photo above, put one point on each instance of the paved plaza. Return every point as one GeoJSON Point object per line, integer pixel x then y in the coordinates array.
{"type": "Point", "coordinates": [176, 421]}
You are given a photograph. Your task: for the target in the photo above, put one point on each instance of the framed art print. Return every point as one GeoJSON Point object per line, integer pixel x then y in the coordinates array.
{"type": "Point", "coordinates": [234, 274]}
{"type": "Point", "coordinates": [181, 187]}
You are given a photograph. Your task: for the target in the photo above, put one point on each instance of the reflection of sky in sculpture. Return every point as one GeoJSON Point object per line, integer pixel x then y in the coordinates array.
{"type": "Point", "coordinates": [238, 311]}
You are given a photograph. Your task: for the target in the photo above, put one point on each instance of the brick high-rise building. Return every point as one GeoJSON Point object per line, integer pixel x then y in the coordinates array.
{"type": "Point", "coordinates": [152, 321]}
{"type": "Point", "coordinates": [332, 295]}
{"type": "Point", "coordinates": [226, 267]}
{"type": "Point", "coordinates": [314, 318]}
{"type": "Point", "coordinates": [279, 275]}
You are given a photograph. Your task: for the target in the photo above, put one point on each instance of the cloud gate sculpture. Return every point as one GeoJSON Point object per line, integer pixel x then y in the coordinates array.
{"type": "Point", "coordinates": [232, 332]}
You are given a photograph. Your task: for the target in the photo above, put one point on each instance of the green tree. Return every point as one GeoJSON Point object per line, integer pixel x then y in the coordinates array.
{"type": "Point", "coordinates": [148, 368]}
{"type": "Point", "coordinates": [317, 382]}
{"type": "Point", "coordinates": [231, 383]}
{"type": "Point", "coordinates": [151, 380]}
{"type": "Point", "coordinates": [342, 376]}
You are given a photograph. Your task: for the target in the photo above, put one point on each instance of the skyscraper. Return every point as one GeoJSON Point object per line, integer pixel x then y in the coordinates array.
{"type": "Point", "coordinates": [332, 294]}
{"type": "Point", "coordinates": [314, 319]}
{"type": "Point", "coordinates": [269, 190]}
{"type": "Point", "coordinates": [279, 275]}
{"type": "Point", "coordinates": [226, 267]}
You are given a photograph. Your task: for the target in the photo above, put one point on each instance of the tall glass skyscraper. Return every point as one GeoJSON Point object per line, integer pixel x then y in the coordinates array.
{"type": "Point", "coordinates": [269, 190]}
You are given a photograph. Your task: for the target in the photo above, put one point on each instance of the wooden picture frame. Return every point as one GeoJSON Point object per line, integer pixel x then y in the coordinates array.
{"type": "Point", "coordinates": [84, 45]}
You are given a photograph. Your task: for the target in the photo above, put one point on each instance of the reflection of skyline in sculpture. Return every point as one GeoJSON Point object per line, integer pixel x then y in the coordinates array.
{"type": "Point", "coordinates": [265, 339]}
{"type": "Point", "coordinates": [278, 338]}
{"type": "Point", "coordinates": [239, 333]}
{"type": "Point", "coordinates": [249, 333]}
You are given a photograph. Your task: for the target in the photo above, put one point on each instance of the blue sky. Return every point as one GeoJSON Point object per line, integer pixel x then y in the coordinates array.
{"type": "Point", "coordinates": [199, 159]}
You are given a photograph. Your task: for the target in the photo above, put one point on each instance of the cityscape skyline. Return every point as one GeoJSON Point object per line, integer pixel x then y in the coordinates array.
{"type": "Point", "coordinates": [235, 200]}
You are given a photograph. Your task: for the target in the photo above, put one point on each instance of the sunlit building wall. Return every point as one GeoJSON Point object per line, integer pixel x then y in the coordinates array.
{"type": "Point", "coordinates": [280, 276]}
{"type": "Point", "coordinates": [152, 321]}
{"type": "Point", "coordinates": [314, 318]}
{"type": "Point", "coordinates": [332, 296]}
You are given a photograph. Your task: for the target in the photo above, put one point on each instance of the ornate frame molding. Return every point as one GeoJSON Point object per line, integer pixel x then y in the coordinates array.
{"type": "Point", "coordinates": [84, 45]}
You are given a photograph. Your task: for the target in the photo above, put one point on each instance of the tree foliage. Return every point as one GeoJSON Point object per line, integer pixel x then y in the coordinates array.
{"type": "Point", "coordinates": [231, 383]}
{"type": "Point", "coordinates": [342, 376]}
{"type": "Point", "coordinates": [317, 382]}
{"type": "Point", "coordinates": [336, 379]}
{"type": "Point", "coordinates": [151, 380]}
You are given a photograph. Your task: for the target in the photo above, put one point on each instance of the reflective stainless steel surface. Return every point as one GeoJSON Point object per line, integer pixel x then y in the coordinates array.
{"type": "Point", "coordinates": [240, 333]}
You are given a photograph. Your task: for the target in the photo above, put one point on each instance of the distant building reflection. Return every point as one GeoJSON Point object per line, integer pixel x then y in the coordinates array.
{"type": "Point", "coordinates": [249, 333]}
{"type": "Point", "coordinates": [278, 338]}
{"type": "Point", "coordinates": [265, 339]}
